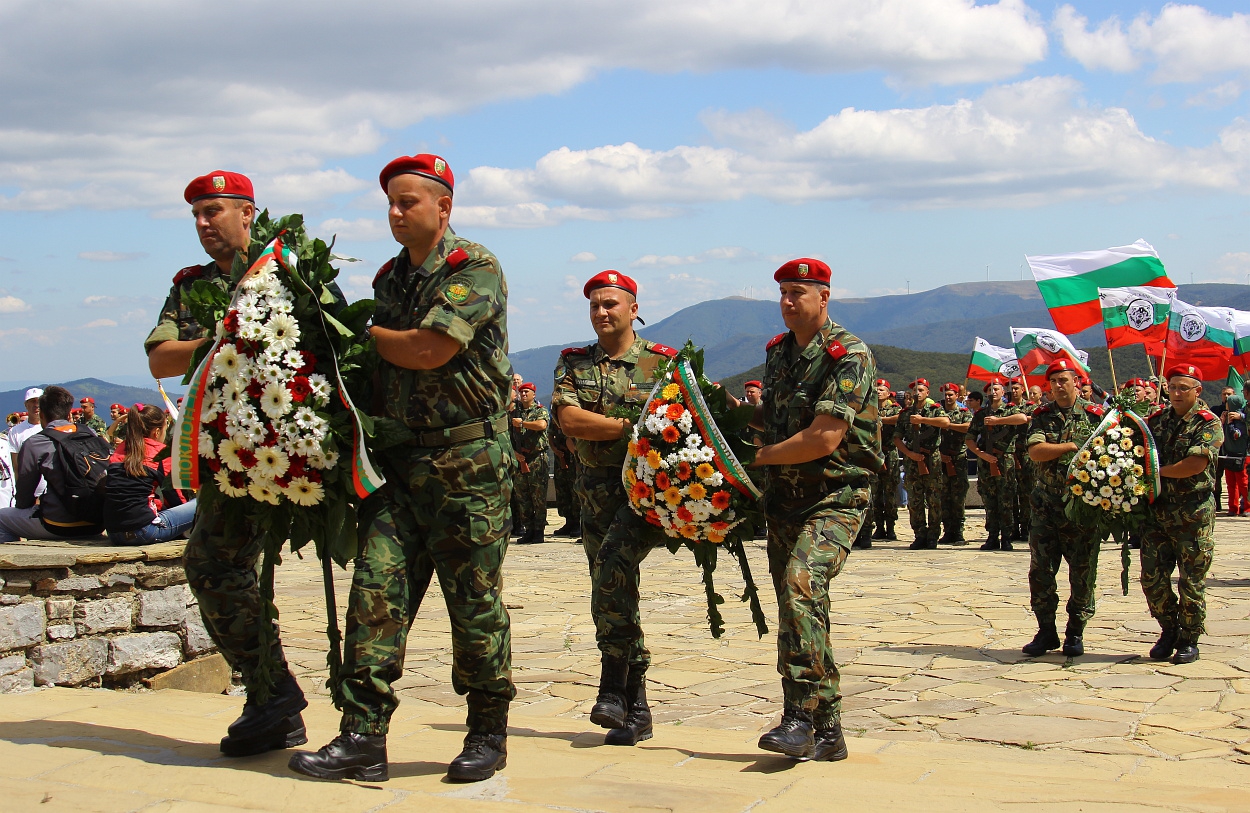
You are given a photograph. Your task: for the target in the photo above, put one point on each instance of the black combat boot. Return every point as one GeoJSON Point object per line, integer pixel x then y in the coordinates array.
{"type": "Point", "coordinates": [922, 541]}
{"type": "Point", "coordinates": [991, 543]}
{"type": "Point", "coordinates": [830, 745]}
{"type": "Point", "coordinates": [879, 531]}
{"type": "Point", "coordinates": [519, 530]}
{"type": "Point", "coordinates": [483, 754]}
{"type": "Point", "coordinates": [571, 528]}
{"type": "Point", "coordinates": [1047, 638]}
{"type": "Point", "coordinates": [1186, 649]}
{"type": "Point", "coordinates": [945, 538]}
{"type": "Point", "coordinates": [536, 535]}
{"type": "Point", "coordinates": [1005, 545]}
{"type": "Point", "coordinates": [610, 709]}
{"type": "Point", "coordinates": [889, 530]}
{"type": "Point", "coordinates": [794, 737]}
{"type": "Point", "coordinates": [1073, 643]}
{"type": "Point", "coordinates": [271, 725]}
{"type": "Point", "coordinates": [957, 537]}
{"type": "Point", "coordinates": [638, 722]}
{"type": "Point", "coordinates": [1165, 646]}
{"type": "Point", "coordinates": [348, 756]}
{"type": "Point", "coordinates": [863, 539]}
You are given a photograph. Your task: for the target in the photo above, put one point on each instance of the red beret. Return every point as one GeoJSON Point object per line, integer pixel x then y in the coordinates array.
{"type": "Point", "coordinates": [424, 164]}
{"type": "Point", "coordinates": [220, 184]}
{"type": "Point", "coordinates": [527, 386]}
{"type": "Point", "coordinates": [610, 279]}
{"type": "Point", "coordinates": [1187, 370]}
{"type": "Point", "coordinates": [754, 384]}
{"type": "Point", "coordinates": [998, 379]}
{"type": "Point", "coordinates": [918, 382]}
{"type": "Point", "coordinates": [804, 269]}
{"type": "Point", "coordinates": [881, 381]}
{"type": "Point", "coordinates": [1062, 366]}
{"type": "Point", "coordinates": [118, 406]}
{"type": "Point", "coordinates": [949, 387]}
{"type": "Point", "coordinates": [87, 399]}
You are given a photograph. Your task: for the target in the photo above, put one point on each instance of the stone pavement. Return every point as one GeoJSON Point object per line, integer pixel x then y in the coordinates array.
{"type": "Point", "coordinates": [940, 706]}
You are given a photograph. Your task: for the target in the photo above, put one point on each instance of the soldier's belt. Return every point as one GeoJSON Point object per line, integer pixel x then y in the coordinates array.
{"type": "Point", "coordinates": [465, 432]}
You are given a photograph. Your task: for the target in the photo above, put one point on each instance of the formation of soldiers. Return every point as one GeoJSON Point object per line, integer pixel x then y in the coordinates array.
{"type": "Point", "coordinates": [830, 437]}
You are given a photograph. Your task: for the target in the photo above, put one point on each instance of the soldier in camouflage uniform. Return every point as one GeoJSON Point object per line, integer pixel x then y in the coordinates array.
{"type": "Point", "coordinates": [917, 443]}
{"type": "Point", "coordinates": [564, 474]}
{"type": "Point", "coordinates": [992, 438]}
{"type": "Point", "coordinates": [953, 462]}
{"type": "Point", "coordinates": [221, 567]}
{"type": "Point", "coordinates": [1182, 517]}
{"type": "Point", "coordinates": [617, 371]}
{"type": "Point", "coordinates": [89, 417]}
{"type": "Point", "coordinates": [440, 326]}
{"type": "Point", "coordinates": [529, 441]}
{"type": "Point", "coordinates": [1024, 465]}
{"type": "Point", "coordinates": [885, 488]}
{"type": "Point", "coordinates": [822, 451]}
{"type": "Point", "coordinates": [1056, 432]}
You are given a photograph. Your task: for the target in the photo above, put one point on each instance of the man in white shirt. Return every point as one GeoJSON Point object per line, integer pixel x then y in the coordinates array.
{"type": "Point", "coordinates": [28, 427]}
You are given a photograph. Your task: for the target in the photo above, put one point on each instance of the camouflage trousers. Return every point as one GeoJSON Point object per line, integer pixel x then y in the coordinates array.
{"type": "Point", "coordinates": [804, 557]}
{"type": "Point", "coordinates": [924, 497]}
{"type": "Point", "coordinates": [998, 495]}
{"type": "Point", "coordinates": [530, 493]}
{"type": "Point", "coordinates": [614, 585]}
{"type": "Point", "coordinates": [565, 477]}
{"type": "Point", "coordinates": [1052, 539]}
{"type": "Point", "coordinates": [1025, 479]}
{"type": "Point", "coordinates": [1179, 536]}
{"type": "Point", "coordinates": [954, 493]}
{"type": "Point", "coordinates": [222, 566]}
{"type": "Point", "coordinates": [444, 512]}
{"type": "Point", "coordinates": [601, 496]}
{"type": "Point", "coordinates": [885, 491]}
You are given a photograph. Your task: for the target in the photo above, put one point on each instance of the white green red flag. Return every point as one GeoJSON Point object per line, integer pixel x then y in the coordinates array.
{"type": "Point", "coordinates": [989, 361]}
{"type": "Point", "coordinates": [1234, 380]}
{"type": "Point", "coordinates": [1036, 348]}
{"type": "Point", "coordinates": [1241, 341]}
{"type": "Point", "coordinates": [1136, 316]}
{"type": "Point", "coordinates": [1069, 283]}
{"type": "Point", "coordinates": [1202, 337]}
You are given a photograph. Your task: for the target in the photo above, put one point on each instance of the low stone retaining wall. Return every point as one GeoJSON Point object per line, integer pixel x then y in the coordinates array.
{"type": "Point", "coordinates": [82, 614]}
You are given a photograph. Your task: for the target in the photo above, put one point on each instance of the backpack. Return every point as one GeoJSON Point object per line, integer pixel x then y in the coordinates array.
{"type": "Point", "coordinates": [82, 457]}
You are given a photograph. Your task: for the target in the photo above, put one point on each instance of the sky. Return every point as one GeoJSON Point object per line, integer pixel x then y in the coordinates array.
{"type": "Point", "coordinates": [695, 145]}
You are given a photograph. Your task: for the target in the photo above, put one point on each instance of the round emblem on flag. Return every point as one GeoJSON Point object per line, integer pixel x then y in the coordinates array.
{"type": "Point", "coordinates": [1011, 369]}
{"type": "Point", "coordinates": [1140, 314]}
{"type": "Point", "coordinates": [1192, 327]}
{"type": "Point", "coordinates": [1048, 343]}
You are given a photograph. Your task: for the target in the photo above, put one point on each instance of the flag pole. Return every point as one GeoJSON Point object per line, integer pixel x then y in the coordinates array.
{"type": "Point", "coordinates": [1115, 385]}
{"type": "Point", "coordinates": [1163, 362]}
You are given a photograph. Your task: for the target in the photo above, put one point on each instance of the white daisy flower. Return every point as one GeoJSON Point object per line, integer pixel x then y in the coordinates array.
{"type": "Point", "coordinates": [228, 454]}
{"type": "Point", "coordinates": [271, 463]}
{"type": "Point", "coordinates": [226, 487]}
{"type": "Point", "coordinates": [206, 445]}
{"type": "Point", "coordinates": [253, 434]}
{"type": "Point", "coordinates": [303, 491]}
{"type": "Point", "coordinates": [685, 423]}
{"type": "Point", "coordinates": [1105, 491]}
{"type": "Point", "coordinates": [293, 359]}
{"type": "Point", "coordinates": [252, 313]}
{"type": "Point", "coordinates": [252, 331]}
{"type": "Point", "coordinates": [321, 388]}
{"type": "Point", "coordinates": [264, 491]}
{"type": "Point", "coordinates": [282, 331]}
{"type": "Point", "coordinates": [279, 304]}
{"type": "Point", "coordinates": [331, 459]}
{"type": "Point", "coordinates": [275, 400]}
{"type": "Point", "coordinates": [226, 362]}
{"type": "Point", "coordinates": [305, 447]}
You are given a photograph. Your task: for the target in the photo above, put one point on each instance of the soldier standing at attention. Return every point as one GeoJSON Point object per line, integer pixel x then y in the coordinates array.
{"type": "Point", "coordinates": [621, 367]}
{"type": "Point", "coordinates": [1056, 433]}
{"type": "Point", "coordinates": [89, 417]}
{"type": "Point", "coordinates": [885, 489]}
{"type": "Point", "coordinates": [1019, 531]}
{"type": "Point", "coordinates": [440, 324]}
{"type": "Point", "coordinates": [821, 454]}
{"type": "Point", "coordinates": [917, 441]}
{"type": "Point", "coordinates": [564, 457]}
{"type": "Point", "coordinates": [221, 567]}
{"type": "Point", "coordinates": [953, 471]}
{"type": "Point", "coordinates": [529, 441]}
{"type": "Point", "coordinates": [992, 438]}
{"type": "Point", "coordinates": [1180, 533]}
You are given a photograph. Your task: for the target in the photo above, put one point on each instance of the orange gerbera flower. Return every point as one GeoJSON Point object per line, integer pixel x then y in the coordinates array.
{"type": "Point", "coordinates": [674, 411]}
{"type": "Point", "coordinates": [640, 491]}
{"type": "Point", "coordinates": [672, 495]}
{"type": "Point", "coordinates": [696, 491]}
{"type": "Point", "coordinates": [661, 481]}
{"type": "Point", "coordinates": [720, 500]}
{"type": "Point", "coordinates": [659, 405]}
{"type": "Point", "coordinates": [683, 470]}
{"type": "Point", "coordinates": [689, 531]}
{"type": "Point", "coordinates": [644, 446]}
{"type": "Point", "coordinates": [654, 518]}
{"type": "Point", "coordinates": [720, 526]}
{"type": "Point", "coordinates": [630, 477]}
{"type": "Point", "coordinates": [632, 448]}
{"type": "Point", "coordinates": [704, 470]}
{"type": "Point", "coordinates": [715, 537]}
{"type": "Point", "coordinates": [653, 459]}
{"type": "Point", "coordinates": [670, 434]}
{"type": "Point", "coordinates": [683, 514]}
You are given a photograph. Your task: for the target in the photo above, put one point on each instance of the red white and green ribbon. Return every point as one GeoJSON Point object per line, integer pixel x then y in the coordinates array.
{"type": "Point", "coordinates": [1150, 463]}
{"type": "Point", "coordinates": [726, 462]}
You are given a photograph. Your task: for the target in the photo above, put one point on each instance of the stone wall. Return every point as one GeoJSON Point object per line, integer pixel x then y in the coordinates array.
{"type": "Point", "coordinates": [91, 615]}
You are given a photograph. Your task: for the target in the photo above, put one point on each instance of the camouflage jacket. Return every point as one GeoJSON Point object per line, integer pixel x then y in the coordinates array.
{"type": "Point", "coordinates": [1197, 432]}
{"type": "Point", "coordinates": [530, 442]}
{"type": "Point", "coordinates": [176, 322]}
{"type": "Point", "coordinates": [992, 439]}
{"type": "Point", "coordinates": [1022, 432]}
{"type": "Point", "coordinates": [833, 375]}
{"type": "Point", "coordinates": [952, 443]}
{"type": "Point", "coordinates": [1053, 424]}
{"type": "Point", "coordinates": [588, 378]}
{"type": "Point", "coordinates": [458, 290]}
{"type": "Point", "coordinates": [95, 423]}
{"type": "Point", "coordinates": [890, 409]}
{"type": "Point", "coordinates": [916, 438]}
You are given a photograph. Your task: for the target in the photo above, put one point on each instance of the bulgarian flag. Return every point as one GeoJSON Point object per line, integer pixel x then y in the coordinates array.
{"type": "Point", "coordinates": [1037, 347]}
{"type": "Point", "coordinates": [1241, 342]}
{"type": "Point", "coordinates": [1203, 337]}
{"type": "Point", "coordinates": [1069, 282]}
{"type": "Point", "coordinates": [1234, 380]}
{"type": "Point", "coordinates": [1136, 316]}
{"type": "Point", "coordinates": [989, 361]}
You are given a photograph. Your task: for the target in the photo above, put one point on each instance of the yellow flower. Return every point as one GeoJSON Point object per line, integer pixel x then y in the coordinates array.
{"type": "Point", "coordinates": [1139, 489]}
{"type": "Point", "coordinates": [632, 448]}
{"type": "Point", "coordinates": [653, 459]}
{"type": "Point", "coordinates": [673, 495]}
{"type": "Point", "coordinates": [1127, 443]}
{"type": "Point", "coordinates": [1139, 451]}
{"type": "Point", "coordinates": [630, 477]}
{"type": "Point", "coordinates": [1097, 441]}
{"type": "Point", "coordinates": [1077, 490]}
{"type": "Point", "coordinates": [715, 537]}
{"type": "Point", "coordinates": [689, 531]}
{"type": "Point", "coordinates": [1083, 476]}
{"type": "Point", "coordinates": [1104, 461]}
{"type": "Point", "coordinates": [704, 471]}
{"type": "Point", "coordinates": [670, 392]}
{"type": "Point", "coordinates": [1137, 471]}
{"type": "Point", "coordinates": [1113, 480]}
{"type": "Point", "coordinates": [697, 491]}
{"type": "Point", "coordinates": [1083, 456]}
{"type": "Point", "coordinates": [1105, 503]}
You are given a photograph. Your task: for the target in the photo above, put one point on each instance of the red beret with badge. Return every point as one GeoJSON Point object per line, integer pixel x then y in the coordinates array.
{"type": "Point", "coordinates": [610, 279]}
{"type": "Point", "coordinates": [220, 184]}
{"type": "Point", "coordinates": [1062, 366]}
{"type": "Point", "coordinates": [998, 379]}
{"type": "Point", "coordinates": [804, 269]}
{"type": "Point", "coordinates": [881, 381]}
{"type": "Point", "coordinates": [919, 382]}
{"type": "Point", "coordinates": [1187, 370]}
{"type": "Point", "coordinates": [527, 386]}
{"type": "Point", "coordinates": [950, 387]}
{"type": "Point", "coordinates": [87, 399]}
{"type": "Point", "coordinates": [757, 384]}
{"type": "Point", "coordinates": [423, 164]}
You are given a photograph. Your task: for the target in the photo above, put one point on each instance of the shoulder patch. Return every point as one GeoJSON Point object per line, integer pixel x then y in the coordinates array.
{"type": "Point", "coordinates": [1042, 409]}
{"type": "Point", "coordinates": [775, 340]}
{"type": "Point", "coordinates": [963, 408]}
{"type": "Point", "coordinates": [1159, 411]}
{"type": "Point", "coordinates": [662, 349]}
{"type": "Point", "coordinates": [1206, 415]}
{"type": "Point", "coordinates": [457, 258]}
{"type": "Point", "coordinates": [384, 270]}
{"type": "Point", "coordinates": [1094, 409]}
{"type": "Point", "coordinates": [187, 273]}
{"type": "Point", "coordinates": [835, 349]}
{"type": "Point", "coordinates": [574, 351]}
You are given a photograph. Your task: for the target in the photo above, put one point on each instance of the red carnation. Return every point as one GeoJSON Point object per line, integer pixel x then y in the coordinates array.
{"type": "Point", "coordinates": [684, 514]}
{"type": "Point", "coordinates": [654, 518]}
{"type": "Point", "coordinates": [231, 322]}
{"type": "Point", "coordinates": [238, 479]}
{"type": "Point", "coordinates": [683, 470]}
{"type": "Point", "coordinates": [300, 388]}
{"type": "Point", "coordinates": [295, 468]}
{"type": "Point", "coordinates": [271, 437]}
{"type": "Point", "coordinates": [662, 481]}
{"type": "Point", "coordinates": [255, 389]}
{"type": "Point", "coordinates": [214, 464]}
{"type": "Point", "coordinates": [247, 457]}
{"type": "Point", "coordinates": [644, 446]}
{"type": "Point", "coordinates": [720, 500]}
{"type": "Point", "coordinates": [313, 476]}
{"type": "Point", "coordinates": [670, 434]}
{"type": "Point", "coordinates": [284, 480]}
{"type": "Point", "coordinates": [310, 363]}
{"type": "Point", "coordinates": [220, 424]}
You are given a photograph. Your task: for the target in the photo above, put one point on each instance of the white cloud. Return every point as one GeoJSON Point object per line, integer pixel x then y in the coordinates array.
{"type": "Point", "coordinates": [1233, 266]}
{"type": "Point", "coordinates": [1220, 95]}
{"type": "Point", "coordinates": [11, 304]}
{"type": "Point", "coordinates": [583, 257]}
{"type": "Point", "coordinates": [85, 124]}
{"type": "Point", "coordinates": [111, 256]}
{"type": "Point", "coordinates": [1105, 47]}
{"type": "Point", "coordinates": [101, 323]}
{"type": "Point", "coordinates": [535, 214]}
{"type": "Point", "coordinates": [365, 229]}
{"type": "Point", "coordinates": [670, 260]}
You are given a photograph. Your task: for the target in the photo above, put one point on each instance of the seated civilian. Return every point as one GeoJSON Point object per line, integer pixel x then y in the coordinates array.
{"type": "Point", "coordinates": [137, 509]}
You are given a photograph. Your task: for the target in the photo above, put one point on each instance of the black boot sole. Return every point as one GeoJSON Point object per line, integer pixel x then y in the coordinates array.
{"type": "Point", "coordinates": [627, 736]}
{"type": "Point", "coordinates": [607, 718]}
{"type": "Point", "coordinates": [359, 773]}
{"type": "Point", "coordinates": [464, 774]}
{"type": "Point", "coordinates": [835, 755]}
{"type": "Point", "coordinates": [766, 744]}
{"type": "Point", "coordinates": [236, 747]}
